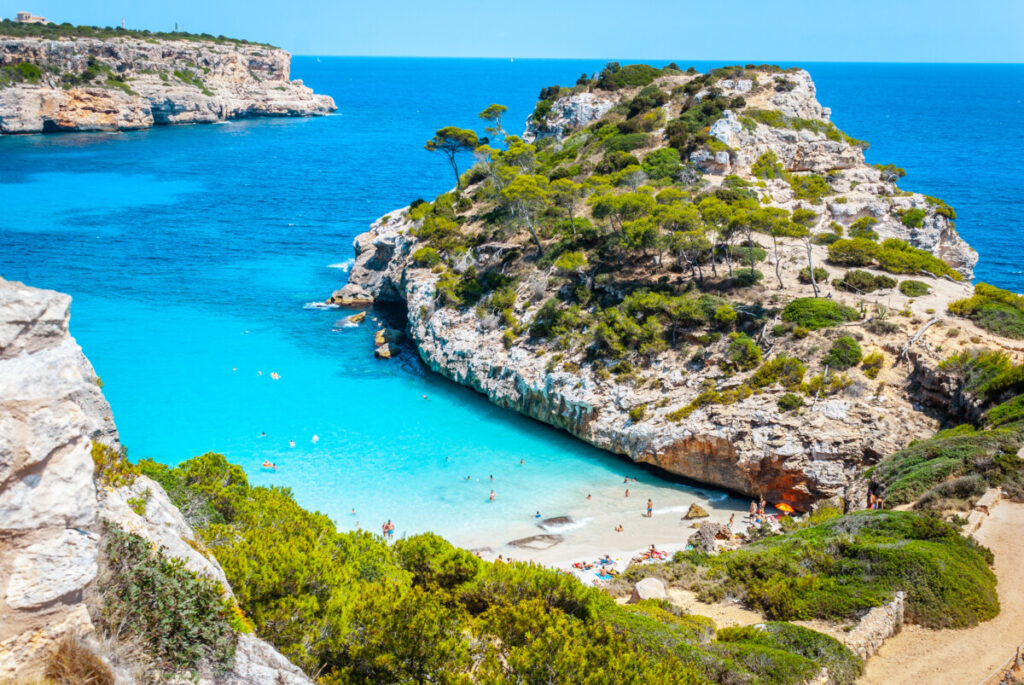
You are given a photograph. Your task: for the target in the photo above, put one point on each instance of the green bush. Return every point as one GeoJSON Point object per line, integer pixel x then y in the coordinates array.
{"type": "Point", "coordinates": [785, 653]}
{"type": "Point", "coordinates": [638, 413]}
{"type": "Point", "coordinates": [743, 353]}
{"type": "Point", "coordinates": [1007, 412]}
{"type": "Point", "coordinates": [814, 313]}
{"type": "Point", "coordinates": [663, 163]}
{"type": "Point", "coordinates": [786, 371]}
{"type": "Point", "coordinates": [626, 142]}
{"type": "Point", "coordinates": [845, 353]}
{"type": "Point", "coordinates": [864, 228]}
{"type": "Point", "coordinates": [853, 252]}
{"type": "Point", "coordinates": [892, 255]}
{"type": "Point", "coordinates": [858, 281]}
{"type": "Point", "coordinates": [181, 618]}
{"type": "Point", "coordinates": [810, 187]}
{"type": "Point", "coordinates": [872, 364]}
{"type": "Point", "coordinates": [912, 288]}
{"type": "Point", "coordinates": [994, 309]}
{"type": "Point", "coordinates": [614, 77]}
{"type": "Point", "coordinates": [111, 467]}
{"type": "Point", "coordinates": [767, 166]}
{"type": "Point", "coordinates": [913, 218]}
{"type": "Point", "coordinates": [426, 257]}
{"type": "Point", "coordinates": [747, 277]}
{"type": "Point", "coordinates": [790, 402]}
{"type": "Point", "coordinates": [820, 275]}
{"type": "Point", "coordinates": [845, 565]}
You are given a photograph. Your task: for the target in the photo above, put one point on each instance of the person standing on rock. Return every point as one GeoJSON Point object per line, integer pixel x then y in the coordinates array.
{"type": "Point", "coordinates": [650, 508]}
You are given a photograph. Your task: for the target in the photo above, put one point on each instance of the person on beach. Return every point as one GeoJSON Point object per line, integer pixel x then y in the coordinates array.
{"type": "Point", "coordinates": [588, 495]}
{"type": "Point", "coordinates": [627, 492]}
{"type": "Point", "coordinates": [626, 479]}
{"type": "Point", "coordinates": [753, 510]}
{"type": "Point", "coordinates": [732, 517]}
{"type": "Point", "coordinates": [537, 515]}
{"type": "Point", "coordinates": [879, 503]}
{"type": "Point", "coordinates": [871, 500]}
{"type": "Point", "coordinates": [760, 506]}
{"type": "Point", "coordinates": [619, 528]}
{"type": "Point", "coordinates": [650, 508]}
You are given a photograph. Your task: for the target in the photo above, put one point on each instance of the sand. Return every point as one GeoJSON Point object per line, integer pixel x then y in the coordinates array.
{"type": "Point", "coordinates": [965, 657]}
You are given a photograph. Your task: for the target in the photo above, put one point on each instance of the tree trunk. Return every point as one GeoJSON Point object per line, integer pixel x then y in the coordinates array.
{"type": "Point", "coordinates": [778, 275]}
{"type": "Point", "coordinates": [810, 265]}
{"type": "Point", "coordinates": [455, 170]}
{"type": "Point", "coordinates": [572, 222]}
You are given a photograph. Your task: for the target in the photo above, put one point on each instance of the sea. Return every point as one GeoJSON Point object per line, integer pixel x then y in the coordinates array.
{"type": "Point", "coordinates": [196, 256]}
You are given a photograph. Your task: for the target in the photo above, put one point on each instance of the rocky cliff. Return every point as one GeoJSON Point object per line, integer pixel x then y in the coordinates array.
{"type": "Point", "coordinates": [51, 412]}
{"type": "Point", "coordinates": [88, 84]}
{"type": "Point", "coordinates": [749, 445]}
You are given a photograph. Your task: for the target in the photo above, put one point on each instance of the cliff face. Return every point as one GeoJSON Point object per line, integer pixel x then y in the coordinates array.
{"type": "Point", "coordinates": [87, 84]}
{"type": "Point", "coordinates": [750, 446]}
{"type": "Point", "coordinates": [51, 411]}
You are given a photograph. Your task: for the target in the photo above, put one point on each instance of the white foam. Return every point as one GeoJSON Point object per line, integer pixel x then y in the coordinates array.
{"type": "Point", "coordinates": [344, 266]}
{"type": "Point", "coordinates": [319, 305]}
{"type": "Point", "coordinates": [562, 527]}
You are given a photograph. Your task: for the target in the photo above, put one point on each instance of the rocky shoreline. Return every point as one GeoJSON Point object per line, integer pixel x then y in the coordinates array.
{"type": "Point", "coordinates": [749, 447]}
{"type": "Point", "coordinates": [88, 84]}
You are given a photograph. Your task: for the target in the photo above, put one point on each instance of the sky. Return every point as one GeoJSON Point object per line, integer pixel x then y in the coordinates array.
{"type": "Point", "coordinates": [744, 30]}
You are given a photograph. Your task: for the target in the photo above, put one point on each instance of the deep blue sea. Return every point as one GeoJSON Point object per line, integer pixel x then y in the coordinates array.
{"type": "Point", "coordinates": [191, 251]}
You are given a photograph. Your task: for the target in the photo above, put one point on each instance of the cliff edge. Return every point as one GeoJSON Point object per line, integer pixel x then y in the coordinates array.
{"type": "Point", "coordinates": [92, 84]}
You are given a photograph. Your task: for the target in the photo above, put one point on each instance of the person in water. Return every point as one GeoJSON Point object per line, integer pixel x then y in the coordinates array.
{"type": "Point", "coordinates": [267, 464]}
{"type": "Point", "coordinates": [588, 495]}
{"type": "Point", "coordinates": [263, 434]}
{"type": "Point", "coordinates": [291, 443]}
{"type": "Point", "coordinates": [493, 496]}
{"type": "Point", "coordinates": [536, 516]}
{"type": "Point", "coordinates": [619, 528]}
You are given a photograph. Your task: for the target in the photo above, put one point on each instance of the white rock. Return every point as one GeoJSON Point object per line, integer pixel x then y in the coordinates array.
{"type": "Point", "coordinates": [64, 561]}
{"type": "Point", "coordinates": [648, 588]}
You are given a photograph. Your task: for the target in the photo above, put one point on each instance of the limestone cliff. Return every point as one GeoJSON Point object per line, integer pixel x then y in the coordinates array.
{"type": "Point", "coordinates": [749, 446]}
{"type": "Point", "coordinates": [51, 412]}
{"type": "Point", "coordinates": [88, 84]}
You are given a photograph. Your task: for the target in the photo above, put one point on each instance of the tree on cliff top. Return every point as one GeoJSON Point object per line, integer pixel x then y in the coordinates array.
{"type": "Point", "coordinates": [526, 196]}
{"type": "Point", "coordinates": [493, 115]}
{"type": "Point", "coordinates": [452, 140]}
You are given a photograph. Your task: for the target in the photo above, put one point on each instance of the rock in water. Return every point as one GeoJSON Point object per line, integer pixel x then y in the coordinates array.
{"type": "Point", "coordinates": [387, 351]}
{"type": "Point", "coordinates": [387, 335]}
{"type": "Point", "coordinates": [538, 542]}
{"type": "Point", "coordinates": [356, 319]}
{"type": "Point", "coordinates": [648, 588]}
{"type": "Point", "coordinates": [696, 512]}
{"type": "Point", "coordinates": [351, 296]}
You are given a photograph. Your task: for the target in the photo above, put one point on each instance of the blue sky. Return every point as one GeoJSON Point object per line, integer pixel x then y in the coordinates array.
{"type": "Point", "coordinates": [744, 30]}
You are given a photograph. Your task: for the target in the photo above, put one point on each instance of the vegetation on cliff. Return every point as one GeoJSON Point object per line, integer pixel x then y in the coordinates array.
{"type": "Point", "coordinates": [352, 608]}
{"type": "Point", "coordinates": [837, 567]}
{"type": "Point", "coordinates": [994, 309]}
{"type": "Point", "coordinates": [66, 30]}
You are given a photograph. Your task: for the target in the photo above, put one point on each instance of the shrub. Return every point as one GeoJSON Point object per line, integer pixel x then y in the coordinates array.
{"type": "Point", "coordinates": [845, 353]}
{"type": "Point", "coordinates": [790, 402]}
{"type": "Point", "coordinates": [747, 277]}
{"type": "Point", "coordinates": [811, 187]}
{"type": "Point", "coordinates": [743, 353]}
{"type": "Point", "coordinates": [892, 255]}
{"type": "Point", "coordinates": [912, 288]}
{"type": "Point", "coordinates": [978, 369]}
{"type": "Point", "coordinates": [859, 281]}
{"type": "Point", "coordinates": [614, 77]}
{"type": "Point", "coordinates": [73, 663]}
{"type": "Point", "coordinates": [182, 618]}
{"type": "Point", "coordinates": [638, 413]}
{"type": "Point", "coordinates": [426, 257]}
{"type": "Point", "coordinates": [767, 166]}
{"type": "Point", "coordinates": [815, 313]}
{"type": "Point", "coordinates": [994, 309]}
{"type": "Point", "coordinates": [725, 314]}
{"type": "Point", "coordinates": [913, 218]}
{"type": "Point", "coordinates": [872, 364]}
{"type": "Point", "coordinates": [626, 142]}
{"type": "Point", "coordinates": [820, 275]}
{"type": "Point", "coordinates": [838, 568]}
{"type": "Point", "coordinates": [786, 371]}
{"type": "Point", "coordinates": [864, 228]}
{"type": "Point", "coordinates": [785, 653]}
{"type": "Point", "coordinates": [853, 252]}
{"type": "Point", "coordinates": [112, 468]}
{"type": "Point", "coordinates": [663, 163]}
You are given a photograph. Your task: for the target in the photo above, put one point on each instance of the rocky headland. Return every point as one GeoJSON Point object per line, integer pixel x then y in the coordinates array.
{"type": "Point", "coordinates": [681, 402]}
{"type": "Point", "coordinates": [54, 507]}
{"type": "Point", "coordinates": [75, 83]}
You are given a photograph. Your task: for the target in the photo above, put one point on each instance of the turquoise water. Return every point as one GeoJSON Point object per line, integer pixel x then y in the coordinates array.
{"type": "Point", "coordinates": [191, 252]}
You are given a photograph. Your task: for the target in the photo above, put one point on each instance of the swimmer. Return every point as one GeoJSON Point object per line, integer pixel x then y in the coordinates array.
{"type": "Point", "coordinates": [522, 461]}
{"type": "Point", "coordinates": [493, 496]}
{"type": "Point", "coordinates": [467, 477]}
{"type": "Point", "coordinates": [425, 397]}
{"type": "Point", "coordinates": [275, 375]}
{"type": "Point", "coordinates": [263, 434]}
{"type": "Point", "coordinates": [492, 479]}
{"type": "Point", "coordinates": [267, 464]}
{"type": "Point", "coordinates": [291, 443]}
{"type": "Point", "coordinates": [316, 438]}
{"type": "Point", "coordinates": [588, 495]}
{"type": "Point", "coordinates": [353, 511]}
{"type": "Point", "coordinates": [234, 368]}
{"type": "Point", "coordinates": [626, 479]}
{"type": "Point", "coordinates": [619, 528]}
{"type": "Point", "coordinates": [537, 515]}
{"type": "Point", "coordinates": [259, 373]}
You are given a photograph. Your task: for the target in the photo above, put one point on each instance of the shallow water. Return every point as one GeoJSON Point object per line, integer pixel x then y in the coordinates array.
{"type": "Point", "coordinates": [191, 252]}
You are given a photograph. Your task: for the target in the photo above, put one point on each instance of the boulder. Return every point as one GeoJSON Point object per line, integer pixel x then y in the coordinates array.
{"type": "Point", "coordinates": [355, 319]}
{"type": "Point", "coordinates": [387, 351]}
{"type": "Point", "coordinates": [351, 295]}
{"type": "Point", "coordinates": [537, 542]}
{"type": "Point", "coordinates": [388, 335]}
{"type": "Point", "coordinates": [61, 563]}
{"type": "Point", "coordinates": [696, 511]}
{"type": "Point", "coordinates": [704, 538]}
{"type": "Point", "coordinates": [648, 588]}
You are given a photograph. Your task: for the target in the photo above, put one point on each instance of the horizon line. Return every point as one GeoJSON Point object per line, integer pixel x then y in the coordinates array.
{"type": "Point", "coordinates": [642, 60]}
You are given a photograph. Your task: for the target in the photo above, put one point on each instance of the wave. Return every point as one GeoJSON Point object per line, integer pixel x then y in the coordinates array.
{"type": "Point", "coordinates": [344, 266]}
{"type": "Point", "coordinates": [319, 305]}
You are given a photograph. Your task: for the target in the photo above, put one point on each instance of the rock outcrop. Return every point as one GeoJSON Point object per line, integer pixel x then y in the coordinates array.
{"type": "Point", "coordinates": [51, 412]}
{"type": "Point", "coordinates": [88, 84]}
{"type": "Point", "coordinates": [750, 446]}
{"type": "Point", "coordinates": [568, 114]}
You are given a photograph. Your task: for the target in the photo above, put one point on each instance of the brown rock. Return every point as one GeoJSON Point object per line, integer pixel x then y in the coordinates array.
{"type": "Point", "coordinates": [696, 512]}
{"type": "Point", "coordinates": [387, 351]}
{"type": "Point", "coordinates": [356, 318]}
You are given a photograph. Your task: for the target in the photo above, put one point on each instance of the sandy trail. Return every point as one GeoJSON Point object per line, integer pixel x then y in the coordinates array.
{"type": "Point", "coordinates": [965, 657]}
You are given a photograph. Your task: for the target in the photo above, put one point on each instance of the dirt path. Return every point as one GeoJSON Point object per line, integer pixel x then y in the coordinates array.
{"type": "Point", "coordinates": [965, 657]}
